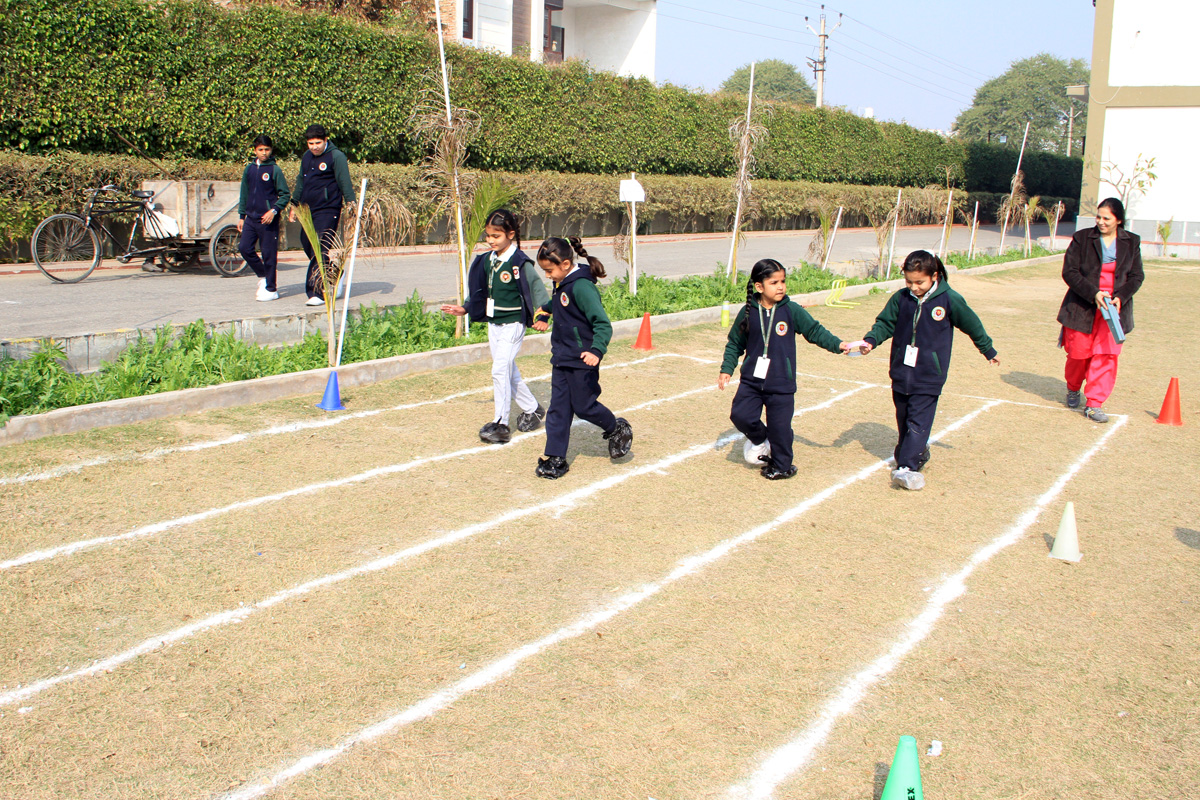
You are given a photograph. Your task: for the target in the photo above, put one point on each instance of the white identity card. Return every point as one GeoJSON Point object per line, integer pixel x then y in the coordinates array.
{"type": "Point", "coordinates": [491, 307]}
{"type": "Point", "coordinates": [760, 367]}
{"type": "Point", "coordinates": [910, 355]}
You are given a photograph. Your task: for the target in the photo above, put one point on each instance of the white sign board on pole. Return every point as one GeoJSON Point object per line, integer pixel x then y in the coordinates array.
{"type": "Point", "coordinates": [632, 192]}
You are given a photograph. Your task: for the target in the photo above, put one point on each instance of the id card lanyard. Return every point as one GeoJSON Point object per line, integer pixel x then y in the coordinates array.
{"type": "Point", "coordinates": [764, 363]}
{"type": "Point", "coordinates": [910, 352]}
{"type": "Point", "coordinates": [496, 264]}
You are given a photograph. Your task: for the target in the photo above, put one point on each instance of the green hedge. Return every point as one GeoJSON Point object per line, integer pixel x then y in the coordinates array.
{"type": "Point", "coordinates": [188, 78]}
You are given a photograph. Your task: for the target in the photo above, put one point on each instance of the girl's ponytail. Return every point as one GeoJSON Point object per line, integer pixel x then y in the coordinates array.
{"type": "Point", "coordinates": [593, 263]}
{"type": "Point", "coordinates": [506, 221]}
{"type": "Point", "coordinates": [744, 325]}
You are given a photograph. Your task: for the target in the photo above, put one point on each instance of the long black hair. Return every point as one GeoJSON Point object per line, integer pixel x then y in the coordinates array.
{"type": "Point", "coordinates": [506, 221]}
{"type": "Point", "coordinates": [761, 270]}
{"type": "Point", "coordinates": [926, 263]}
{"type": "Point", "coordinates": [560, 251]}
{"type": "Point", "coordinates": [1116, 207]}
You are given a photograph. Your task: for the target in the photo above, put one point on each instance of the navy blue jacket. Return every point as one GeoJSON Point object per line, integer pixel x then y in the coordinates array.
{"type": "Point", "coordinates": [789, 318]}
{"type": "Point", "coordinates": [533, 291]}
{"type": "Point", "coordinates": [580, 322]}
{"type": "Point", "coordinates": [324, 180]}
{"type": "Point", "coordinates": [263, 188]}
{"type": "Point", "coordinates": [932, 330]}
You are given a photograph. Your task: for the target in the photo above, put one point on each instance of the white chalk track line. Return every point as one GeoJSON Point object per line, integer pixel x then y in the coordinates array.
{"type": "Point", "coordinates": [240, 613]}
{"type": "Point", "coordinates": [392, 469]}
{"type": "Point", "coordinates": [792, 757]}
{"type": "Point", "coordinates": [503, 666]}
{"type": "Point", "coordinates": [291, 427]}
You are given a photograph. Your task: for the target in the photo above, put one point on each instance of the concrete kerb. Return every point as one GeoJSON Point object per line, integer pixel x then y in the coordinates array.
{"type": "Point", "coordinates": [26, 428]}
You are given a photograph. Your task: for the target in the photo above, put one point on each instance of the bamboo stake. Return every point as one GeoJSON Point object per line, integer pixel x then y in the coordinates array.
{"type": "Point", "coordinates": [946, 223]}
{"type": "Point", "coordinates": [1020, 156]}
{"type": "Point", "coordinates": [731, 268]}
{"type": "Point", "coordinates": [895, 227]}
{"type": "Point", "coordinates": [464, 323]}
{"type": "Point", "coordinates": [832, 236]}
{"type": "Point", "coordinates": [633, 243]}
{"type": "Point", "coordinates": [974, 229]}
{"type": "Point", "coordinates": [362, 196]}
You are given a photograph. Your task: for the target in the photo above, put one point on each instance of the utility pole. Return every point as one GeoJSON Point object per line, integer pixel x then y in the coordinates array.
{"type": "Point", "coordinates": [818, 64]}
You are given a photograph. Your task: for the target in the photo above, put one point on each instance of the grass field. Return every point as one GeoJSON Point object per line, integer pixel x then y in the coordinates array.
{"type": "Point", "coordinates": [274, 601]}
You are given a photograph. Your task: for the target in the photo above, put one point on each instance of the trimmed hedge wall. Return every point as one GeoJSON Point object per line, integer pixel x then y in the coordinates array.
{"type": "Point", "coordinates": [188, 78]}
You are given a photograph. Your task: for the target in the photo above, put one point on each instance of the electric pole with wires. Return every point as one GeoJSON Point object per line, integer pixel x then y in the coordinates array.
{"type": "Point", "coordinates": [818, 64]}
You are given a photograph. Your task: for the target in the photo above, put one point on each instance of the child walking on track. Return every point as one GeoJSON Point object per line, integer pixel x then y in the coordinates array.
{"type": "Point", "coordinates": [765, 330]}
{"type": "Point", "coordinates": [578, 341]}
{"type": "Point", "coordinates": [920, 319]}
{"type": "Point", "coordinates": [263, 198]}
{"type": "Point", "coordinates": [504, 290]}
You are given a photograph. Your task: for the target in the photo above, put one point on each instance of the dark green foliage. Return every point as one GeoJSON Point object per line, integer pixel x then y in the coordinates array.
{"type": "Point", "coordinates": [187, 78]}
{"type": "Point", "coordinates": [990, 169]}
{"type": "Point", "coordinates": [774, 80]}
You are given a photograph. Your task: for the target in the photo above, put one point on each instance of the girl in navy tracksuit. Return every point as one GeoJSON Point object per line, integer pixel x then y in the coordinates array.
{"type": "Point", "coordinates": [263, 198]}
{"type": "Point", "coordinates": [578, 341]}
{"type": "Point", "coordinates": [920, 320]}
{"type": "Point", "coordinates": [765, 330]}
{"type": "Point", "coordinates": [503, 291]}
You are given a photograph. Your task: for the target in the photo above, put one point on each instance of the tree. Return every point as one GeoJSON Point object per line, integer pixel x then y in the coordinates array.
{"type": "Point", "coordinates": [1032, 90]}
{"type": "Point", "coordinates": [773, 80]}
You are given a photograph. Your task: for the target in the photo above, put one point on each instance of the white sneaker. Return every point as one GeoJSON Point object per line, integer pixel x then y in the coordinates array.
{"type": "Point", "coordinates": [904, 478]}
{"type": "Point", "coordinates": [752, 452]}
{"type": "Point", "coordinates": [262, 285]}
{"type": "Point", "coordinates": [264, 296]}
{"type": "Point", "coordinates": [315, 301]}
{"type": "Point", "coordinates": [341, 288]}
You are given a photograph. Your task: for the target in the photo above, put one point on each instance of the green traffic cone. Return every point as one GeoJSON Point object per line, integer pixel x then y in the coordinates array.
{"type": "Point", "coordinates": [904, 778]}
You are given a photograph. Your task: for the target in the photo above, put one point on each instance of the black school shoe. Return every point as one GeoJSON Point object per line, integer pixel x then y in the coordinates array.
{"type": "Point", "coordinates": [495, 433]}
{"type": "Point", "coordinates": [774, 473]}
{"type": "Point", "coordinates": [923, 460]}
{"type": "Point", "coordinates": [531, 420]}
{"type": "Point", "coordinates": [620, 438]}
{"type": "Point", "coordinates": [552, 467]}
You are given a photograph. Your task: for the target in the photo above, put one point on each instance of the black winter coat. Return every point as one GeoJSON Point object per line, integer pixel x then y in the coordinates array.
{"type": "Point", "coordinates": [1081, 272]}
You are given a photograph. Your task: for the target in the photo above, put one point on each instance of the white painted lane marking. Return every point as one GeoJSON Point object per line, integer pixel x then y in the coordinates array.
{"type": "Point", "coordinates": [291, 427]}
{"type": "Point", "coordinates": [795, 755]}
{"type": "Point", "coordinates": [559, 504]}
{"type": "Point", "coordinates": [503, 666]}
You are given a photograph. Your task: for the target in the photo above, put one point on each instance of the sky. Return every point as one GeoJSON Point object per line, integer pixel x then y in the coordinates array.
{"type": "Point", "coordinates": [916, 61]}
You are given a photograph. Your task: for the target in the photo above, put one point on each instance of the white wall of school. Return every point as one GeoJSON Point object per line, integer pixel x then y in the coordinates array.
{"type": "Point", "coordinates": [1130, 133]}
{"type": "Point", "coordinates": [493, 25]}
{"type": "Point", "coordinates": [1154, 42]}
{"type": "Point", "coordinates": [613, 37]}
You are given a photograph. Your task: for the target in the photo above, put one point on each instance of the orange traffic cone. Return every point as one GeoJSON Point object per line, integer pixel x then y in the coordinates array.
{"type": "Point", "coordinates": [1170, 407]}
{"type": "Point", "coordinates": [643, 339]}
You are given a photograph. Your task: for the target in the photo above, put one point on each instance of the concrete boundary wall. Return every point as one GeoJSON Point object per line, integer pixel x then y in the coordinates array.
{"type": "Point", "coordinates": [26, 428]}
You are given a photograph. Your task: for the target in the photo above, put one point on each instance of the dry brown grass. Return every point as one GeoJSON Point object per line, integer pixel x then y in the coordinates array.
{"type": "Point", "coordinates": [1046, 679]}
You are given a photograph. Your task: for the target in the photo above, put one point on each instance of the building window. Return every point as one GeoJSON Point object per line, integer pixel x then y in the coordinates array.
{"type": "Point", "coordinates": [468, 16]}
{"type": "Point", "coordinates": [554, 38]}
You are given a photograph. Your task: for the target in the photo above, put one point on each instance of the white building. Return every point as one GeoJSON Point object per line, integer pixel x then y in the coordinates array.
{"type": "Point", "coordinates": [611, 35]}
{"type": "Point", "coordinates": [1144, 103]}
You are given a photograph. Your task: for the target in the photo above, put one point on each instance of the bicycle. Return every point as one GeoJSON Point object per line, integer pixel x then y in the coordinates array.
{"type": "Point", "coordinates": [68, 247]}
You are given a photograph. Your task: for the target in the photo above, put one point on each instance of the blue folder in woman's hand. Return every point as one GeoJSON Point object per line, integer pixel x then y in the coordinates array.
{"type": "Point", "coordinates": [1113, 318]}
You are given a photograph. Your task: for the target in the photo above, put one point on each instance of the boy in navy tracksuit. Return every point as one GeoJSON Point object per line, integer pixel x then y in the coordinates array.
{"type": "Point", "coordinates": [577, 343]}
{"type": "Point", "coordinates": [920, 319]}
{"type": "Point", "coordinates": [323, 185]}
{"type": "Point", "coordinates": [263, 198]}
{"type": "Point", "coordinates": [767, 326]}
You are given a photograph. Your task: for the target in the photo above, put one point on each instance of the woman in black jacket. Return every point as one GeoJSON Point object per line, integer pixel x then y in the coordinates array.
{"type": "Point", "coordinates": [1102, 264]}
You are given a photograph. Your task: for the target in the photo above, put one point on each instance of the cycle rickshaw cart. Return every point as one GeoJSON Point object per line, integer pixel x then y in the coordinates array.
{"type": "Point", "coordinates": [179, 222]}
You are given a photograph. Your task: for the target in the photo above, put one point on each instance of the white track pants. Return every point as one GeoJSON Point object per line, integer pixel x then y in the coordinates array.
{"type": "Point", "coordinates": [505, 342]}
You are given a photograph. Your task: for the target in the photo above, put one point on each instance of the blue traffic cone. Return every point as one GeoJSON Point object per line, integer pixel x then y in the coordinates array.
{"type": "Point", "coordinates": [332, 401]}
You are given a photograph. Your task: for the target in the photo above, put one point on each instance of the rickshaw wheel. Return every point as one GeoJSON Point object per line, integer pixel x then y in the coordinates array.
{"type": "Point", "coordinates": [179, 260]}
{"type": "Point", "coordinates": [223, 252]}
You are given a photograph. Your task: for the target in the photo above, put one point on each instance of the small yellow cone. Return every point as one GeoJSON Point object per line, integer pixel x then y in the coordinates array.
{"type": "Point", "coordinates": [1066, 544]}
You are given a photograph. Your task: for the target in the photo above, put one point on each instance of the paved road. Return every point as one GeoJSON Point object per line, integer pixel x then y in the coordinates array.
{"type": "Point", "coordinates": [123, 298]}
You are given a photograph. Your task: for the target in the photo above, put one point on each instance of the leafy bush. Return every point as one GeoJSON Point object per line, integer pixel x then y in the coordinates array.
{"type": "Point", "coordinates": [191, 78]}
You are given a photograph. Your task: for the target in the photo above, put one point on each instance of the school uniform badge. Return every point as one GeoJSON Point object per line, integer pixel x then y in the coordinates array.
{"type": "Point", "coordinates": [780, 328]}
{"type": "Point", "coordinates": [939, 314]}
{"type": "Point", "coordinates": [516, 271]}
{"type": "Point", "coordinates": [505, 277]}
{"type": "Point", "coordinates": [322, 166]}
{"type": "Point", "coordinates": [566, 301]}
{"type": "Point", "coordinates": [266, 176]}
